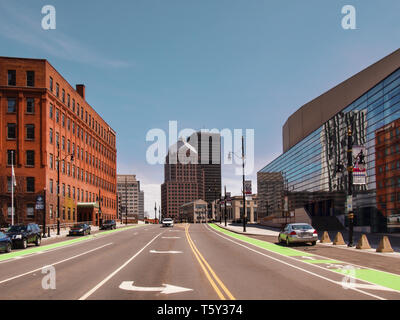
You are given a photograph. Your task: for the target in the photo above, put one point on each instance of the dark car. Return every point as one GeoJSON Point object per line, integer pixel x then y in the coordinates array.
{"type": "Point", "coordinates": [79, 229]}
{"type": "Point", "coordinates": [5, 242]}
{"type": "Point", "coordinates": [22, 235]}
{"type": "Point", "coordinates": [109, 224]}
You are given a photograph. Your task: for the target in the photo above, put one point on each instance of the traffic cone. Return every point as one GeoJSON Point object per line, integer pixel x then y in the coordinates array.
{"type": "Point", "coordinates": [325, 238]}
{"type": "Point", "coordinates": [338, 239]}
{"type": "Point", "coordinates": [363, 243]}
{"type": "Point", "coordinates": [384, 245]}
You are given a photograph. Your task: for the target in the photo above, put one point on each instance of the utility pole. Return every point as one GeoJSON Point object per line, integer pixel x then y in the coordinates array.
{"type": "Point", "coordinates": [44, 213]}
{"type": "Point", "coordinates": [350, 184]}
{"type": "Point", "coordinates": [12, 187]}
{"type": "Point", "coordinates": [225, 205]}
{"type": "Point", "coordinates": [244, 194]}
{"type": "Point", "coordinates": [155, 212]}
{"type": "Point", "coordinates": [100, 219]}
{"type": "Point", "coordinates": [159, 212]}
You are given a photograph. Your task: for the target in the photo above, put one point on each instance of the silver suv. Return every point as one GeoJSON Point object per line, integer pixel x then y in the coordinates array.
{"type": "Point", "coordinates": [168, 222]}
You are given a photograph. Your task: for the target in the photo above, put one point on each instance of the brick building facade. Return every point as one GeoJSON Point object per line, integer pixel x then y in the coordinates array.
{"type": "Point", "coordinates": [41, 116]}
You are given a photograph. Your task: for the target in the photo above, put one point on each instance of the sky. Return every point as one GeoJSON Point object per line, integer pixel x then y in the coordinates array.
{"type": "Point", "coordinates": [206, 64]}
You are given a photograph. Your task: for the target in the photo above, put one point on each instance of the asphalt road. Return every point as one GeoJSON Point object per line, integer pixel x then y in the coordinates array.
{"type": "Point", "coordinates": [186, 262]}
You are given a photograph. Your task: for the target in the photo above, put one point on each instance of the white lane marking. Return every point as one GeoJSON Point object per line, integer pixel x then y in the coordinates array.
{"type": "Point", "coordinates": [173, 252]}
{"type": "Point", "coordinates": [170, 237]}
{"type": "Point", "coordinates": [112, 274]}
{"type": "Point", "coordinates": [296, 267]}
{"type": "Point", "coordinates": [18, 257]}
{"type": "Point", "coordinates": [366, 286]}
{"type": "Point", "coordinates": [53, 264]}
{"type": "Point", "coordinates": [166, 289]}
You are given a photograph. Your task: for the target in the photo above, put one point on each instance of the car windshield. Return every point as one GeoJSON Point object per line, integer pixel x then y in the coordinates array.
{"type": "Point", "coordinates": [168, 220]}
{"type": "Point", "coordinates": [301, 227]}
{"type": "Point", "coordinates": [109, 221]}
{"type": "Point", "coordinates": [78, 226]}
{"type": "Point", "coordinates": [17, 229]}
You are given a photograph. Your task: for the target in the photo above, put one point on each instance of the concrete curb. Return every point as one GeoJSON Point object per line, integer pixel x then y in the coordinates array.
{"type": "Point", "coordinates": [243, 233]}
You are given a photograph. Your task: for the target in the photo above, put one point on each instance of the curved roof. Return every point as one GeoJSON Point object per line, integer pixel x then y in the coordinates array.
{"type": "Point", "coordinates": [316, 112]}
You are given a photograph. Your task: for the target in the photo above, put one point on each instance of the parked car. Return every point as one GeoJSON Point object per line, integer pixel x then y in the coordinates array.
{"type": "Point", "coordinates": [109, 224]}
{"type": "Point", "coordinates": [5, 242]}
{"type": "Point", "coordinates": [298, 233]}
{"type": "Point", "coordinates": [79, 229]}
{"type": "Point", "coordinates": [168, 222]}
{"type": "Point", "coordinates": [22, 235]}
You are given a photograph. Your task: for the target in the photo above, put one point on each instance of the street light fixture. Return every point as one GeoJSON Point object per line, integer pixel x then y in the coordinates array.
{"type": "Point", "coordinates": [243, 177]}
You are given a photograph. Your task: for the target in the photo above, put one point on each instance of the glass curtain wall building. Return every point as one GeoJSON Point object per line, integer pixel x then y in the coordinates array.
{"type": "Point", "coordinates": [312, 174]}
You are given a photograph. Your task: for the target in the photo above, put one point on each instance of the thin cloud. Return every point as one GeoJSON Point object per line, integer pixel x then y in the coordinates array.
{"type": "Point", "coordinates": [18, 25]}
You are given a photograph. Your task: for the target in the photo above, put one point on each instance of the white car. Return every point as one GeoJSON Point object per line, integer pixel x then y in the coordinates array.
{"type": "Point", "coordinates": [168, 222]}
{"type": "Point", "coordinates": [297, 233]}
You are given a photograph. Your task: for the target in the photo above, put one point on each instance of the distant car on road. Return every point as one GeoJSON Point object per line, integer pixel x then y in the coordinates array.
{"type": "Point", "coordinates": [5, 242]}
{"type": "Point", "coordinates": [79, 229]}
{"type": "Point", "coordinates": [109, 224]}
{"type": "Point", "coordinates": [22, 235]}
{"type": "Point", "coordinates": [168, 222]}
{"type": "Point", "coordinates": [298, 233]}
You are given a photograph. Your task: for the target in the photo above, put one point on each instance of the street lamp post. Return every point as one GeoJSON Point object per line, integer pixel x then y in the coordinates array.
{"type": "Point", "coordinates": [350, 184]}
{"type": "Point", "coordinates": [225, 205]}
{"type": "Point", "coordinates": [58, 184]}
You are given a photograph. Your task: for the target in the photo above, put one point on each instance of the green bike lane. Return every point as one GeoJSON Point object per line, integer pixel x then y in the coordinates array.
{"type": "Point", "coordinates": [59, 244]}
{"type": "Point", "coordinates": [371, 280]}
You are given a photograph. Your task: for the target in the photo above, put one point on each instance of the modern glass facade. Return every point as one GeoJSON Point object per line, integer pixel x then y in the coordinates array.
{"type": "Point", "coordinates": [310, 170]}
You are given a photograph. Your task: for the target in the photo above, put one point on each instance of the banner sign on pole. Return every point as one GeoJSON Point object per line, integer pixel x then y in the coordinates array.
{"type": "Point", "coordinates": [359, 167]}
{"type": "Point", "coordinates": [247, 187]}
{"type": "Point", "coordinates": [39, 203]}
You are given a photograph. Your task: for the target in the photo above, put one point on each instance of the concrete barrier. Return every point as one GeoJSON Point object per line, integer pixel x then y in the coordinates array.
{"type": "Point", "coordinates": [363, 243]}
{"type": "Point", "coordinates": [325, 238]}
{"type": "Point", "coordinates": [338, 240]}
{"type": "Point", "coordinates": [384, 245]}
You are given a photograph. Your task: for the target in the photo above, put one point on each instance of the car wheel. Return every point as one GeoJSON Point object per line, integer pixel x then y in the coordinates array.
{"type": "Point", "coordinates": [287, 242]}
{"type": "Point", "coordinates": [24, 244]}
{"type": "Point", "coordinates": [279, 240]}
{"type": "Point", "coordinates": [8, 248]}
{"type": "Point", "coordinates": [89, 232]}
{"type": "Point", "coordinates": [313, 243]}
{"type": "Point", "coordinates": [38, 241]}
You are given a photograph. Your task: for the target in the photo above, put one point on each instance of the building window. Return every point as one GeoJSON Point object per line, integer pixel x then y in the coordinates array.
{"type": "Point", "coordinates": [68, 100]}
{"type": "Point", "coordinates": [73, 105]}
{"type": "Point", "coordinates": [68, 124]}
{"type": "Point", "coordinates": [63, 189]}
{"type": "Point", "coordinates": [63, 143]}
{"type": "Point", "coordinates": [30, 105]}
{"type": "Point", "coordinates": [11, 105]}
{"type": "Point", "coordinates": [51, 161]}
{"type": "Point", "coordinates": [51, 111]}
{"type": "Point", "coordinates": [57, 90]}
{"type": "Point", "coordinates": [30, 132]}
{"type": "Point", "coordinates": [51, 211]}
{"type": "Point", "coordinates": [30, 158]}
{"type": "Point", "coordinates": [69, 213]}
{"type": "Point", "coordinates": [30, 184]}
{"type": "Point", "coordinates": [11, 158]}
{"type": "Point", "coordinates": [51, 84]}
{"type": "Point", "coordinates": [12, 77]}
{"type": "Point", "coordinates": [30, 210]}
{"type": "Point", "coordinates": [51, 135]}
{"type": "Point", "coordinates": [63, 95]}
{"type": "Point", "coordinates": [63, 213]}
{"type": "Point", "coordinates": [11, 131]}
{"type": "Point", "coordinates": [51, 184]}
{"type": "Point", "coordinates": [63, 120]}
{"type": "Point", "coordinates": [57, 139]}
{"type": "Point", "coordinates": [30, 78]}
{"type": "Point", "coordinates": [57, 115]}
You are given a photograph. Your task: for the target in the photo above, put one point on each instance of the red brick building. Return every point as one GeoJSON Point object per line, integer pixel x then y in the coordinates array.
{"type": "Point", "coordinates": [40, 110]}
{"type": "Point", "coordinates": [387, 169]}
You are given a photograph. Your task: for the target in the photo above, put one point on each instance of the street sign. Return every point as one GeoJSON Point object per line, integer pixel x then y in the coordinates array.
{"type": "Point", "coordinates": [39, 203]}
{"type": "Point", "coordinates": [349, 204]}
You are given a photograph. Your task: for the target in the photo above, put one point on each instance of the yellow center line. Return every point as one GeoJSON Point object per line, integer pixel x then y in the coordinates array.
{"type": "Point", "coordinates": [203, 263]}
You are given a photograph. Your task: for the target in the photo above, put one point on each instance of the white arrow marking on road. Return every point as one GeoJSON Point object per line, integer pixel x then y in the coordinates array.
{"type": "Point", "coordinates": [171, 237]}
{"type": "Point", "coordinates": [155, 251]}
{"type": "Point", "coordinates": [166, 289]}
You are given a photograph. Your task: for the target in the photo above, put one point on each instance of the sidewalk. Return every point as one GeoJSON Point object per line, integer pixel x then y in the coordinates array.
{"type": "Point", "coordinates": [252, 229]}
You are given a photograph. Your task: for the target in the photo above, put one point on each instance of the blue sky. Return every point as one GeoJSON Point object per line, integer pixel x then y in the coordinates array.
{"type": "Point", "coordinates": [207, 64]}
